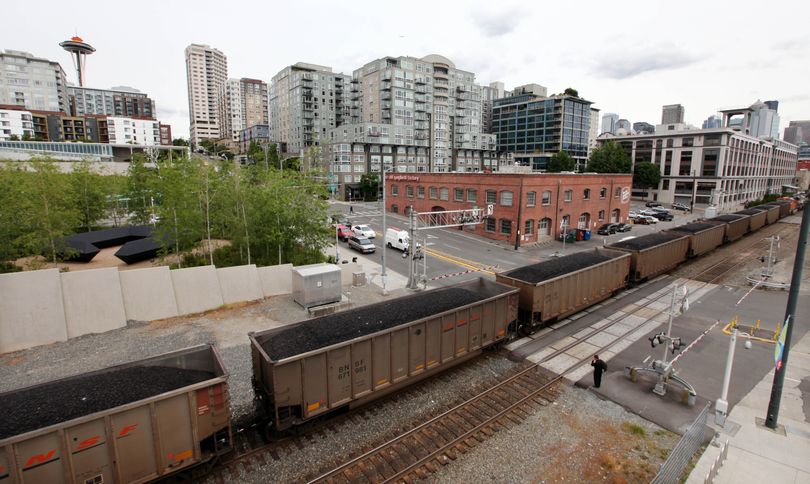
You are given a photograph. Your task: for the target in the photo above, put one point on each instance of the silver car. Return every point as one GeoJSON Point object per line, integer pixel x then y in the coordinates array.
{"type": "Point", "coordinates": [361, 244]}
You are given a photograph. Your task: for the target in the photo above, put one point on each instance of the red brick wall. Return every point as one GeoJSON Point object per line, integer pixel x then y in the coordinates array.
{"type": "Point", "coordinates": [516, 183]}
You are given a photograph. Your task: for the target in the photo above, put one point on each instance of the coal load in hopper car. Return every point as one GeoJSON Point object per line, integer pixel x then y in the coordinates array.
{"type": "Point", "coordinates": [757, 218]}
{"type": "Point", "coordinates": [703, 237]}
{"type": "Point", "coordinates": [653, 254]}
{"type": "Point", "coordinates": [736, 225]}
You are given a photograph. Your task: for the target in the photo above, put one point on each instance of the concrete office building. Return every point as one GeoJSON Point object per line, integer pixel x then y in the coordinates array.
{"type": "Point", "coordinates": [305, 102]}
{"type": "Point", "coordinates": [593, 130]}
{"type": "Point", "coordinates": [490, 93]}
{"type": "Point", "coordinates": [722, 165]}
{"type": "Point", "coordinates": [757, 120]}
{"type": "Point", "coordinates": [797, 132]}
{"type": "Point", "coordinates": [713, 122]}
{"type": "Point", "coordinates": [535, 127]}
{"type": "Point", "coordinates": [206, 72]}
{"type": "Point", "coordinates": [32, 82]}
{"type": "Point", "coordinates": [609, 121]}
{"type": "Point", "coordinates": [642, 127]}
{"type": "Point", "coordinates": [672, 114]}
{"type": "Point", "coordinates": [623, 124]}
{"type": "Point", "coordinates": [120, 101]}
{"type": "Point", "coordinates": [18, 124]}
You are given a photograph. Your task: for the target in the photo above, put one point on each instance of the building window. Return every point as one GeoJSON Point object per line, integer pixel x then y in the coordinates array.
{"type": "Point", "coordinates": [489, 224]}
{"type": "Point", "coordinates": [458, 194]}
{"type": "Point", "coordinates": [586, 194]}
{"type": "Point", "coordinates": [394, 191]}
{"type": "Point", "coordinates": [506, 198]}
{"type": "Point", "coordinates": [420, 192]}
{"type": "Point", "coordinates": [492, 196]}
{"type": "Point", "coordinates": [472, 195]}
{"type": "Point", "coordinates": [688, 142]}
{"type": "Point", "coordinates": [603, 192]}
{"type": "Point", "coordinates": [584, 221]}
{"type": "Point", "coordinates": [444, 193]}
{"type": "Point", "coordinates": [544, 226]}
{"type": "Point", "coordinates": [566, 221]}
{"type": "Point", "coordinates": [434, 193]}
{"type": "Point", "coordinates": [394, 209]}
{"type": "Point", "coordinates": [506, 226]}
{"type": "Point", "coordinates": [601, 215]}
{"type": "Point", "coordinates": [531, 199]}
{"type": "Point", "coordinates": [409, 191]}
{"type": "Point", "coordinates": [529, 229]}
{"type": "Point", "coordinates": [547, 197]}
{"type": "Point", "coordinates": [614, 216]}
{"type": "Point", "coordinates": [568, 195]}
{"type": "Point", "coordinates": [617, 192]}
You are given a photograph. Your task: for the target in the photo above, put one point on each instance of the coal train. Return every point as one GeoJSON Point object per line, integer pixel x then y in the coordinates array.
{"type": "Point", "coordinates": [168, 414]}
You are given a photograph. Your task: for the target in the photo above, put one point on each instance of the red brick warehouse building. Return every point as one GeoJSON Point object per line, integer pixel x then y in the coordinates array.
{"type": "Point", "coordinates": [535, 203]}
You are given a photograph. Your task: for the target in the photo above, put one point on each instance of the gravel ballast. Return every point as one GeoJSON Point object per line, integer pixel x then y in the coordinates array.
{"type": "Point", "coordinates": [343, 326]}
{"type": "Point", "coordinates": [549, 269]}
{"type": "Point", "coordinates": [646, 241]}
{"type": "Point", "coordinates": [52, 403]}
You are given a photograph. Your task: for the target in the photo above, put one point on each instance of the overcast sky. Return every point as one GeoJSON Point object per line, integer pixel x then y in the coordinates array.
{"type": "Point", "coordinates": [629, 58]}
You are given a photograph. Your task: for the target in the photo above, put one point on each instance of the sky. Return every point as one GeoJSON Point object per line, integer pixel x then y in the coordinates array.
{"type": "Point", "coordinates": [629, 58]}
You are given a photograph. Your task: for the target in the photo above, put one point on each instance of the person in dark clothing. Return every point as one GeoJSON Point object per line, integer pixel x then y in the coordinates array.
{"type": "Point", "coordinates": [351, 208]}
{"type": "Point", "coordinates": [599, 367]}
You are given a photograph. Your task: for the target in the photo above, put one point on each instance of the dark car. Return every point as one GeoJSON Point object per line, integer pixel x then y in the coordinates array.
{"type": "Point", "coordinates": [680, 206]}
{"type": "Point", "coordinates": [624, 228]}
{"type": "Point", "coordinates": [663, 215]}
{"type": "Point", "coordinates": [361, 244]}
{"type": "Point", "coordinates": [607, 229]}
{"type": "Point", "coordinates": [652, 204]}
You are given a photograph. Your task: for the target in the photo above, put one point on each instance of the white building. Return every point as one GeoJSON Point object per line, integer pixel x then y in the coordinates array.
{"type": "Point", "coordinates": [206, 72]}
{"type": "Point", "coordinates": [143, 132]}
{"type": "Point", "coordinates": [32, 82]}
{"type": "Point", "coordinates": [16, 123]}
{"type": "Point", "coordinates": [757, 120]}
{"type": "Point", "coordinates": [593, 130]}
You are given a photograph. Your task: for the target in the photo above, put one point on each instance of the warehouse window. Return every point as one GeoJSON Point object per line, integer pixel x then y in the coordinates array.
{"type": "Point", "coordinates": [618, 192]}
{"type": "Point", "coordinates": [434, 193]}
{"type": "Point", "coordinates": [492, 196]}
{"type": "Point", "coordinates": [420, 192]}
{"type": "Point", "coordinates": [444, 193]}
{"type": "Point", "coordinates": [529, 229]}
{"type": "Point", "coordinates": [409, 191]}
{"type": "Point", "coordinates": [586, 194]}
{"type": "Point", "coordinates": [603, 192]}
{"type": "Point", "coordinates": [394, 190]}
{"type": "Point", "coordinates": [394, 208]}
{"type": "Point", "coordinates": [566, 221]}
{"type": "Point", "coordinates": [506, 226]}
{"type": "Point", "coordinates": [568, 195]}
{"type": "Point", "coordinates": [458, 194]}
{"type": "Point", "coordinates": [601, 215]}
{"type": "Point", "coordinates": [614, 216]}
{"type": "Point", "coordinates": [506, 198]}
{"type": "Point", "coordinates": [489, 224]}
{"type": "Point", "coordinates": [584, 221]}
{"type": "Point", "coordinates": [531, 199]}
{"type": "Point", "coordinates": [472, 195]}
{"type": "Point", "coordinates": [547, 197]}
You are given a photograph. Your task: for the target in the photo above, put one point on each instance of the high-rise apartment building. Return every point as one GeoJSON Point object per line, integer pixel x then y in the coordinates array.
{"type": "Point", "coordinates": [490, 93]}
{"type": "Point", "coordinates": [593, 131]}
{"type": "Point", "coordinates": [206, 72]}
{"type": "Point", "coordinates": [535, 127]}
{"type": "Point", "coordinates": [757, 120]}
{"type": "Point", "coordinates": [798, 132]}
{"type": "Point", "coordinates": [254, 101]}
{"type": "Point", "coordinates": [32, 82]}
{"type": "Point", "coordinates": [229, 99]}
{"type": "Point", "coordinates": [116, 101]}
{"type": "Point", "coordinates": [672, 114]}
{"type": "Point", "coordinates": [609, 121]}
{"type": "Point", "coordinates": [305, 102]}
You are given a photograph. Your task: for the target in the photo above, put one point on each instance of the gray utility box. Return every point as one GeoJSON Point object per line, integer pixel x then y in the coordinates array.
{"type": "Point", "coordinates": [316, 284]}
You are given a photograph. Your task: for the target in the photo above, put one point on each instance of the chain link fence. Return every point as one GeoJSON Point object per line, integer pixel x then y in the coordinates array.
{"type": "Point", "coordinates": [671, 470]}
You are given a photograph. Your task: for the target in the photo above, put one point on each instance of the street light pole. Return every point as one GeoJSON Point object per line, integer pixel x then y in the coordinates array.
{"type": "Point", "coordinates": [384, 228]}
{"type": "Point", "coordinates": [721, 404]}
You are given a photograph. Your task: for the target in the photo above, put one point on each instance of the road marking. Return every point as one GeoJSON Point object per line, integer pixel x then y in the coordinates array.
{"type": "Point", "coordinates": [452, 247]}
{"type": "Point", "coordinates": [461, 262]}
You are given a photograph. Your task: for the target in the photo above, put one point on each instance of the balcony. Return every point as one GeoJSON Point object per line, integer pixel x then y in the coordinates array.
{"type": "Point", "coordinates": [385, 96]}
{"type": "Point", "coordinates": [385, 85]}
{"type": "Point", "coordinates": [420, 80]}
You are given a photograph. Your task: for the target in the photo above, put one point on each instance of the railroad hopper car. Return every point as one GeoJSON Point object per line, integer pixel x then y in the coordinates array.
{"type": "Point", "coordinates": [304, 370]}
{"type": "Point", "coordinates": [736, 225]}
{"type": "Point", "coordinates": [771, 212]}
{"type": "Point", "coordinates": [785, 207]}
{"type": "Point", "coordinates": [653, 254]}
{"type": "Point", "coordinates": [130, 423]}
{"type": "Point", "coordinates": [757, 218]}
{"type": "Point", "coordinates": [559, 287]}
{"type": "Point", "coordinates": [703, 237]}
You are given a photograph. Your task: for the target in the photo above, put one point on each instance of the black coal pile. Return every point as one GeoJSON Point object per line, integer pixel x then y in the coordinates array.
{"type": "Point", "coordinates": [342, 326]}
{"type": "Point", "coordinates": [726, 218]}
{"type": "Point", "coordinates": [646, 241]}
{"type": "Point", "coordinates": [750, 211]}
{"type": "Point", "coordinates": [694, 228]}
{"type": "Point", "coordinates": [37, 407]}
{"type": "Point", "coordinates": [543, 271]}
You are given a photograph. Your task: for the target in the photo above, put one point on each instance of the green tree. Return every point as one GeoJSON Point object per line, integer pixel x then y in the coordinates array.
{"type": "Point", "coordinates": [646, 176]}
{"type": "Point", "coordinates": [370, 186]}
{"type": "Point", "coordinates": [609, 158]}
{"type": "Point", "coordinates": [179, 142]}
{"type": "Point", "coordinates": [571, 92]}
{"type": "Point", "coordinates": [140, 189]}
{"type": "Point", "coordinates": [14, 137]}
{"type": "Point", "coordinates": [561, 161]}
{"type": "Point", "coordinates": [26, 137]}
{"type": "Point", "coordinates": [89, 194]}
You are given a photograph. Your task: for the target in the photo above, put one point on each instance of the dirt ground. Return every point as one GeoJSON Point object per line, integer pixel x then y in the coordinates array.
{"type": "Point", "coordinates": [106, 258]}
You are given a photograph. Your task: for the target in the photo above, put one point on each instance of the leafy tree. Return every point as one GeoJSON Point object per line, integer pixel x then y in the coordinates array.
{"type": "Point", "coordinates": [609, 158]}
{"type": "Point", "coordinates": [14, 137]}
{"type": "Point", "coordinates": [571, 92]}
{"type": "Point", "coordinates": [561, 161]}
{"type": "Point", "coordinates": [370, 186]}
{"type": "Point", "coordinates": [89, 194]}
{"type": "Point", "coordinates": [140, 189]}
{"type": "Point", "coordinates": [26, 137]}
{"type": "Point", "coordinates": [646, 175]}
{"type": "Point", "coordinates": [179, 142]}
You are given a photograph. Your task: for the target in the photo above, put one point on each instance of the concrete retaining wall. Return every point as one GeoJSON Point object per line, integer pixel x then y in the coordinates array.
{"type": "Point", "coordinates": [240, 283]}
{"type": "Point", "coordinates": [276, 280]}
{"type": "Point", "coordinates": [31, 310]}
{"type": "Point", "coordinates": [148, 293]}
{"type": "Point", "coordinates": [93, 301]}
{"type": "Point", "coordinates": [196, 289]}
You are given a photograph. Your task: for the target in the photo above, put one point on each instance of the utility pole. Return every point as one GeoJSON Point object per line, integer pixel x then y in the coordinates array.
{"type": "Point", "coordinates": [790, 318]}
{"type": "Point", "coordinates": [384, 228]}
{"type": "Point", "coordinates": [721, 404]}
{"type": "Point", "coordinates": [412, 282]}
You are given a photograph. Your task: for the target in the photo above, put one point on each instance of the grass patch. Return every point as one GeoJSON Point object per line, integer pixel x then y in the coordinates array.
{"type": "Point", "coordinates": [634, 429]}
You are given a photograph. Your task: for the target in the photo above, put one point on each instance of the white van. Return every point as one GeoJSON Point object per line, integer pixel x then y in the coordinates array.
{"type": "Point", "coordinates": [398, 239]}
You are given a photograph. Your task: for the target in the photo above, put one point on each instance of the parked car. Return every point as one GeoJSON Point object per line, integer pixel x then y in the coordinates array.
{"type": "Point", "coordinates": [680, 206]}
{"type": "Point", "coordinates": [361, 244]}
{"type": "Point", "coordinates": [652, 204]}
{"type": "Point", "coordinates": [646, 220]}
{"type": "Point", "coordinates": [624, 228]}
{"type": "Point", "coordinates": [632, 215]}
{"type": "Point", "coordinates": [607, 229]}
{"type": "Point", "coordinates": [364, 231]}
{"type": "Point", "coordinates": [663, 215]}
{"type": "Point", "coordinates": [343, 232]}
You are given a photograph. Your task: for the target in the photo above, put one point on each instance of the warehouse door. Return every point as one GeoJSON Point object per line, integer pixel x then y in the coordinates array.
{"type": "Point", "coordinates": [544, 227]}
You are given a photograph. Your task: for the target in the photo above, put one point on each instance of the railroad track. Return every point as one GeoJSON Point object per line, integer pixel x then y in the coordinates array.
{"type": "Point", "coordinates": [740, 256]}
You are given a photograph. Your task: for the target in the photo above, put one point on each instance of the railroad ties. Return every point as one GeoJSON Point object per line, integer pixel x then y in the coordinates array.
{"type": "Point", "coordinates": [423, 450]}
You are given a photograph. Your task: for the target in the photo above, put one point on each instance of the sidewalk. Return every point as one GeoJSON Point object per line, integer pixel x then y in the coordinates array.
{"type": "Point", "coordinates": [756, 453]}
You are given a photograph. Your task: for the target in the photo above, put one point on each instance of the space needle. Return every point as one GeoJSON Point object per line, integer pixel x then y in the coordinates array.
{"type": "Point", "coordinates": [79, 50]}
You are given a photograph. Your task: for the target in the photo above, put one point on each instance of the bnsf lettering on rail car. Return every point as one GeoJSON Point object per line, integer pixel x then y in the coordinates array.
{"type": "Point", "coordinates": [343, 372]}
{"type": "Point", "coordinates": [360, 366]}
{"type": "Point", "coordinates": [35, 460]}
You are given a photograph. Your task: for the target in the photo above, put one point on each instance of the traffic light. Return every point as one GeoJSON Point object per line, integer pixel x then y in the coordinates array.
{"type": "Point", "coordinates": [657, 339]}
